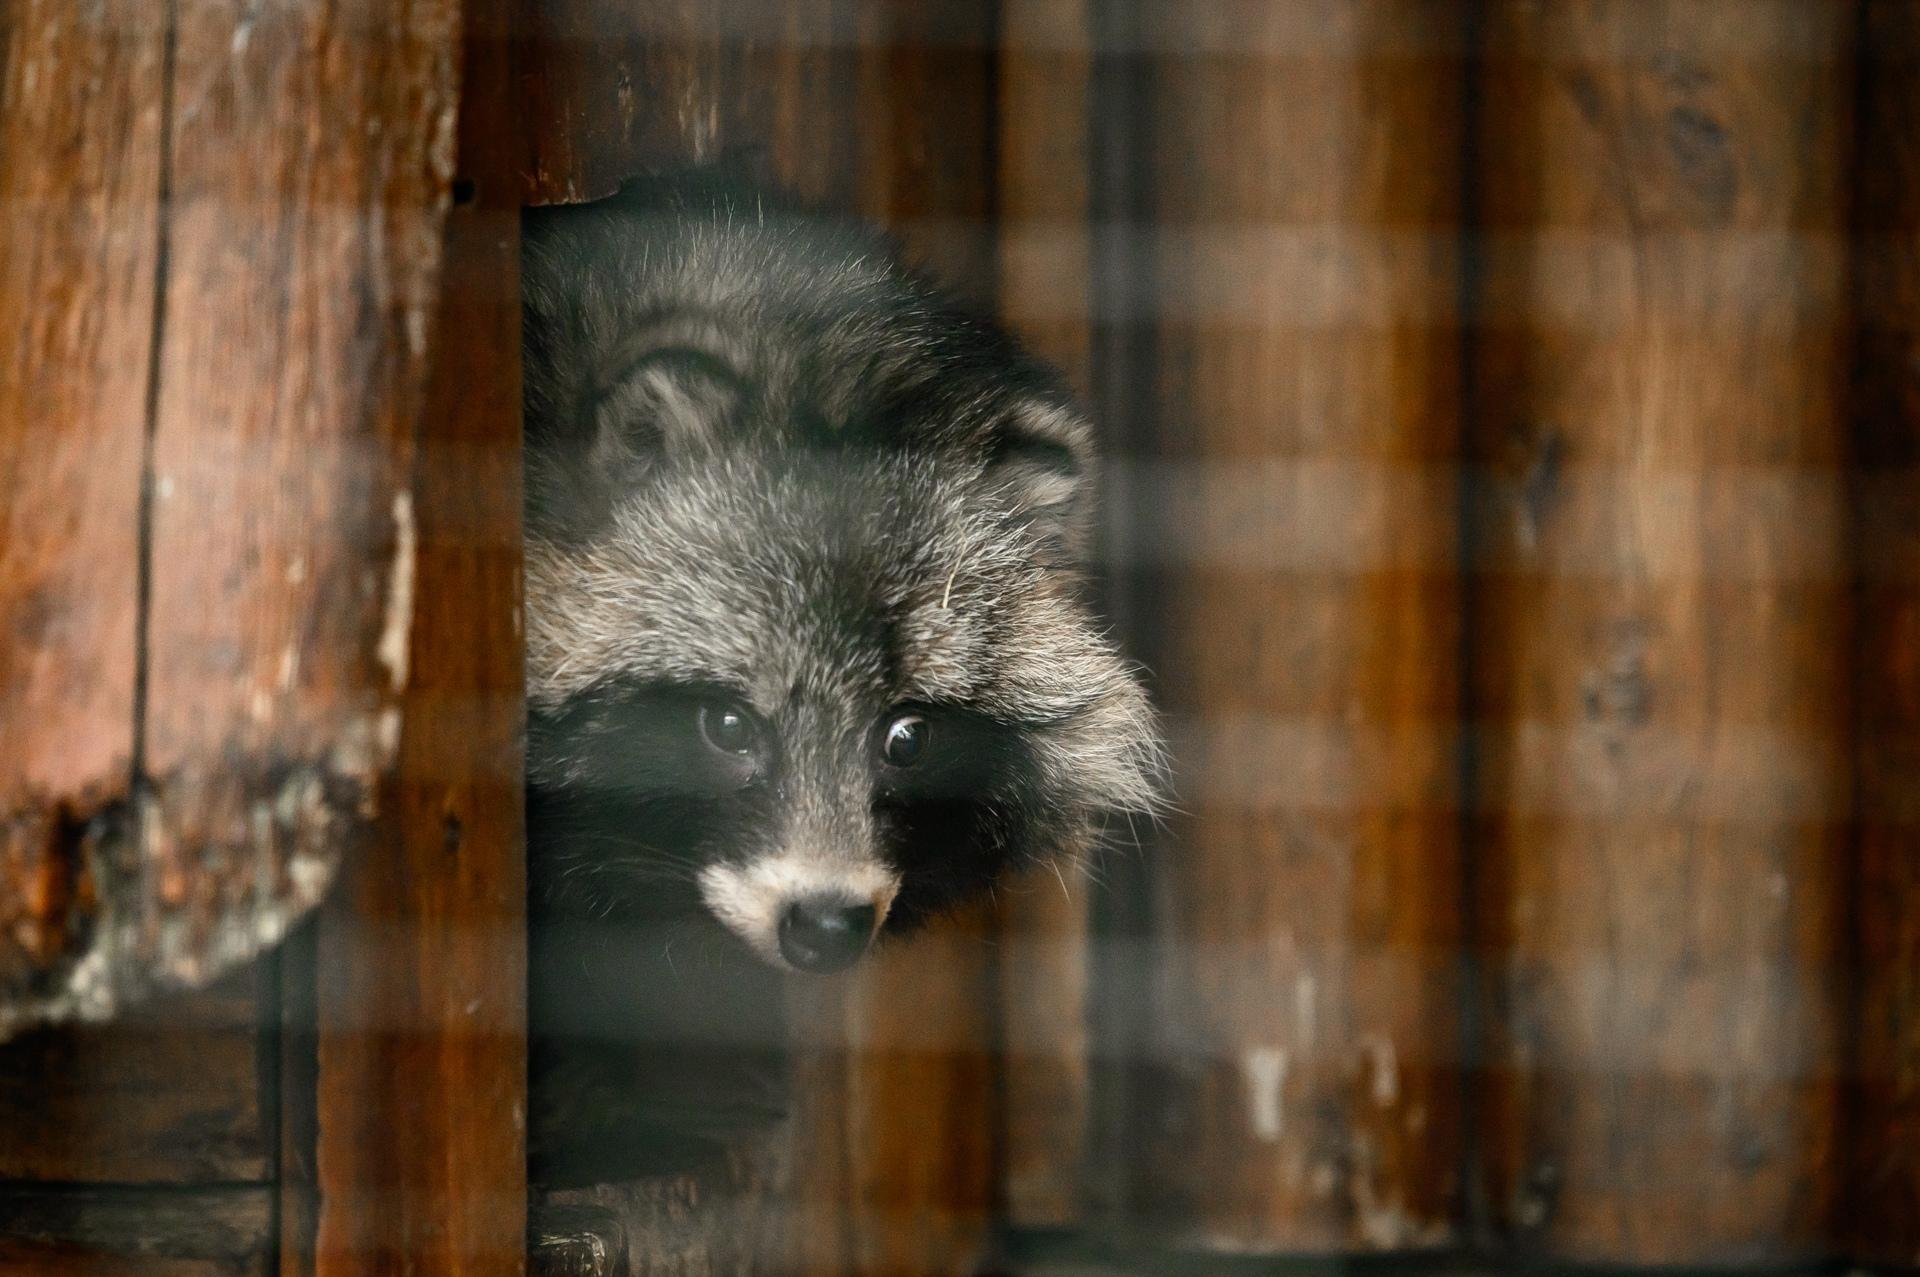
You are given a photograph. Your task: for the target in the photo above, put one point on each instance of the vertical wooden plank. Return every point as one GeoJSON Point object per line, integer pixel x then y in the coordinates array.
{"type": "Point", "coordinates": [1660, 640]}
{"type": "Point", "coordinates": [239, 501]}
{"type": "Point", "coordinates": [421, 955]}
{"type": "Point", "coordinates": [616, 89]}
{"type": "Point", "coordinates": [1883, 1194]}
{"type": "Point", "coordinates": [1299, 1086]}
{"type": "Point", "coordinates": [1044, 79]}
{"type": "Point", "coordinates": [307, 170]}
{"type": "Point", "coordinates": [80, 127]}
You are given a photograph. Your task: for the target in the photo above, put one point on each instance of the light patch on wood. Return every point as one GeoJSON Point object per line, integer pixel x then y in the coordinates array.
{"type": "Point", "coordinates": [1381, 1213]}
{"type": "Point", "coordinates": [270, 852]}
{"type": "Point", "coordinates": [1383, 1066]}
{"type": "Point", "coordinates": [1265, 1068]}
{"type": "Point", "coordinates": [396, 635]}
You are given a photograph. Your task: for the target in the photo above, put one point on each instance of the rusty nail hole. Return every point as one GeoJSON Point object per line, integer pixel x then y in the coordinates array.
{"type": "Point", "coordinates": [464, 191]}
{"type": "Point", "coordinates": [452, 834]}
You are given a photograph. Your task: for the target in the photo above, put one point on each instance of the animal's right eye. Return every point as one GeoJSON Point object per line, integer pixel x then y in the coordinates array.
{"type": "Point", "coordinates": [904, 740]}
{"type": "Point", "coordinates": [728, 728]}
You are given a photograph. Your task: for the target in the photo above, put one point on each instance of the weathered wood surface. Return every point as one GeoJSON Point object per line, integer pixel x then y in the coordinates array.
{"type": "Point", "coordinates": [80, 129]}
{"type": "Point", "coordinates": [308, 164]}
{"type": "Point", "coordinates": [1883, 1193]}
{"type": "Point", "coordinates": [420, 956]}
{"type": "Point", "coordinates": [170, 1093]}
{"type": "Point", "coordinates": [1660, 648]}
{"type": "Point", "coordinates": [616, 89]}
{"type": "Point", "coordinates": [1044, 231]}
{"type": "Point", "coordinates": [73, 1231]}
{"type": "Point", "coordinates": [718, 1219]}
{"type": "Point", "coordinates": [1298, 1072]}
{"type": "Point", "coordinates": [222, 233]}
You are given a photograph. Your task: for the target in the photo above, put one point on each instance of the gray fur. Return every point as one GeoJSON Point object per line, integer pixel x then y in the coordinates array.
{"type": "Point", "coordinates": [764, 457]}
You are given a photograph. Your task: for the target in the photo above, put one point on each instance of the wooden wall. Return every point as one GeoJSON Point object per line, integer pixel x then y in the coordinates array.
{"type": "Point", "coordinates": [1660, 629]}
{"type": "Point", "coordinates": [1882, 1141]}
{"type": "Point", "coordinates": [259, 591]}
{"type": "Point", "coordinates": [1508, 496]}
{"type": "Point", "coordinates": [1515, 492]}
{"type": "Point", "coordinates": [1296, 520]}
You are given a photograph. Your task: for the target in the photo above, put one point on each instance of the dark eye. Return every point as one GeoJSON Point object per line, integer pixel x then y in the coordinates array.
{"type": "Point", "coordinates": [905, 740]}
{"type": "Point", "coordinates": [728, 728]}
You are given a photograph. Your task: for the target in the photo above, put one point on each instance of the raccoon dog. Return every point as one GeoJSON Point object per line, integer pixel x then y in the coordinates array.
{"type": "Point", "coordinates": [806, 626]}
{"type": "Point", "coordinates": [808, 649]}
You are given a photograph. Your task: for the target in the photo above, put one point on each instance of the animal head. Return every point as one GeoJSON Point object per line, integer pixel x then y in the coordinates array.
{"type": "Point", "coordinates": [807, 636]}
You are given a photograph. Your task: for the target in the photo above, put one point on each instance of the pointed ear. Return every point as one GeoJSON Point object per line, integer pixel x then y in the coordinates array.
{"type": "Point", "coordinates": [652, 401]}
{"type": "Point", "coordinates": [1042, 464]}
{"type": "Point", "coordinates": [664, 398]}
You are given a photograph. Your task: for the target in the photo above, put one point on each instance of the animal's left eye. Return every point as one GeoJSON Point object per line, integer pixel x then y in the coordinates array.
{"type": "Point", "coordinates": [905, 740]}
{"type": "Point", "coordinates": [728, 728]}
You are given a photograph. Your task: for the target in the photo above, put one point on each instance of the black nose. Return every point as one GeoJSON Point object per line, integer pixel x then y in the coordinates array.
{"type": "Point", "coordinates": [825, 933]}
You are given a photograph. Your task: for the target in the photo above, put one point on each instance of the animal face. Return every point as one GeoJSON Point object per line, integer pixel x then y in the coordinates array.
{"type": "Point", "coordinates": [807, 641]}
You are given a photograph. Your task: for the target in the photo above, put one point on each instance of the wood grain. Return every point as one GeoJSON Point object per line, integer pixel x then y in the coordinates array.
{"type": "Point", "coordinates": [614, 90]}
{"type": "Point", "coordinates": [1660, 638]}
{"type": "Point", "coordinates": [212, 539]}
{"type": "Point", "coordinates": [1883, 1194]}
{"type": "Point", "coordinates": [73, 1231]}
{"type": "Point", "coordinates": [80, 127]}
{"type": "Point", "coordinates": [299, 273]}
{"type": "Point", "coordinates": [1298, 1066]}
{"type": "Point", "coordinates": [171, 1093]}
{"type": "Point", "coordinates": [420, 1160]}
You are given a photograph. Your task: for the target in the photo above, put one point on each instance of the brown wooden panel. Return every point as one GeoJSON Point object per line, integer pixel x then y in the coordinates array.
{"type": "Point", "coordinates": [1659, 646]}
{"type": "Point", "coordinates": [1295, 521]}
{"type": "Point", "coordinates": [170, 1093]}
{"type": "Point", "coordinates": [614, 89]}
{"type": "Point", "coordinates": [421, 955]}
{"type": "Point", "coordinates": [298, 154]}
{"type": "Point", "coordinates": [1884, 1194]}
{"type": "Point", "coordinates": [1045, 239]}
{"type": "Point", "coordinates": [79, 182]}
{"type": "Point", "coordinates": [215, 1231]}
{"type": "Point", "coordinates": [308, 164]}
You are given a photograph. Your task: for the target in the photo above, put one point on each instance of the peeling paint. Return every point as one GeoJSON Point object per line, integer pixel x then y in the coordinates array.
{"type": "Point", "coordinates": [366, 746]}
{"type": "Point", "coordinates": [196, 873]}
